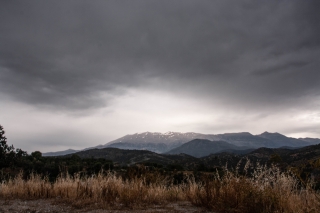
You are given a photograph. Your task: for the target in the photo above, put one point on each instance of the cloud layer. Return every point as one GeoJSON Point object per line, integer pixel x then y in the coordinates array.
{"type": "Point", "coordinates": [79, 57]}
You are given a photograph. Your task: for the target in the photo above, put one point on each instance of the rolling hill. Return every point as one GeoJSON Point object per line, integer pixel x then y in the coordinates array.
{"type": "Point", "coordinates": [201, 147]}
{"type": "Point", "coordinates": [130, 157]}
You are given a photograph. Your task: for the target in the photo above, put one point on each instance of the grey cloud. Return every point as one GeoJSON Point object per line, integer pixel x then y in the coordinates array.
{"type": "Point", "coordinates": [309, 129]}
{"type": "Point", "coordinates": [65, 53]}
{"type": "Point", "coordinates": [281, 67]}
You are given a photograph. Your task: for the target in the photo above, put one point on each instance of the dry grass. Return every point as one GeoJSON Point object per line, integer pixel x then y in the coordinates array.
{"type": "Point", "coordinates": [267, 190]}
{"type": "Point", "coordinates": [107, 189]}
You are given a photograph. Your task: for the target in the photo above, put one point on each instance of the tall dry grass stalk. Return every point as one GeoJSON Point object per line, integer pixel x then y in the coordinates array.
{"type": "Point", "coordinates": [106, 189]}
{"type": "Point", "coordinates": [267, 190]}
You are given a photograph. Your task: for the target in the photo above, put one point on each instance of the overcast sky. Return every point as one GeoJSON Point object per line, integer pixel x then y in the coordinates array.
{"type": "Point", "coordinates": [75, 74]}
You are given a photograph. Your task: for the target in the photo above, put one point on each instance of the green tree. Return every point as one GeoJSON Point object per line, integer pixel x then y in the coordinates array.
{"type": "Point", "coordinates": [36, 155]}
{"type": "Point", "coordinates": [6, 151]}
{"type": "Point", "coordinates": [275, 158]}
{"type": "Point", "coordinates": [8, 155]}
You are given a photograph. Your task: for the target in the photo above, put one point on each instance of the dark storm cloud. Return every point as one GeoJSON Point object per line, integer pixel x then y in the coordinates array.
{"type": "Point", "coordinates": [279, 68]}
{"type": "Point", "coordinates": [65, 54]}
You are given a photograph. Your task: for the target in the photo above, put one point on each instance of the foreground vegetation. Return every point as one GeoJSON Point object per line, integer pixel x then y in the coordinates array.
{"type": "Point", "coordinates": [266, 190]}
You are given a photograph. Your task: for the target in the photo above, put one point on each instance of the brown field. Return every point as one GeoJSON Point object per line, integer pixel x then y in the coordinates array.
{"type": "Point", "coordinates": [267, 190]}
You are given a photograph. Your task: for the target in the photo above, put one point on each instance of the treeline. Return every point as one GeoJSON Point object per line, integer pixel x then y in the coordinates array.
{"type": "Point", "coordinates": [53, 166]}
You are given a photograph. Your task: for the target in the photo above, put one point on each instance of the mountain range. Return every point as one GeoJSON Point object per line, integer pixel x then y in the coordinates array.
{"type": "Point", "coordinates": [197, 144]}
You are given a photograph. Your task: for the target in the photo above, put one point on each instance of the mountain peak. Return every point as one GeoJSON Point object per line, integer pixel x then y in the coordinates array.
{"type": "Point", "coordinates": [266, 132]}
{"type": "Point", "coordinates": [274, 134]}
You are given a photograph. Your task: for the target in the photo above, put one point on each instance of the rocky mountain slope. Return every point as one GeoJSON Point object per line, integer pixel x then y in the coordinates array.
{"type": "Point", "coordinates": [155, 141]}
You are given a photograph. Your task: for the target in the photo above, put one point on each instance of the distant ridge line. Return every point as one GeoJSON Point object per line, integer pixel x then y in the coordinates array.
{"type": "Point", "coordinates": [164, 142]}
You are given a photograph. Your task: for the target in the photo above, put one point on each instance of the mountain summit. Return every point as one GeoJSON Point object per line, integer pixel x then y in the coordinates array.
{"type": "Point", "coordinates": [282, 140]}
{"type": "Point", "coordinates": [155, 141]}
